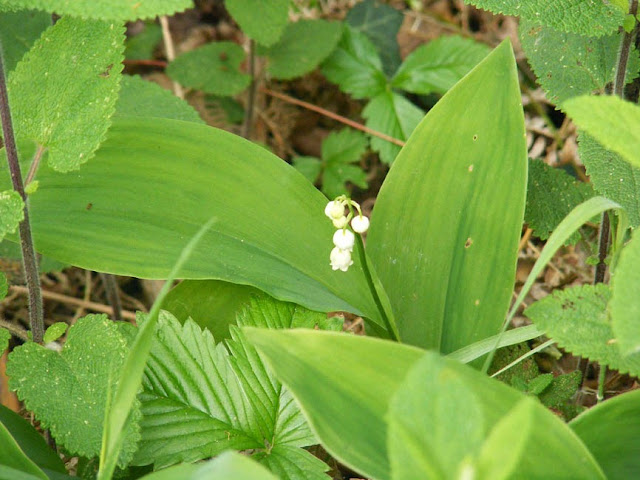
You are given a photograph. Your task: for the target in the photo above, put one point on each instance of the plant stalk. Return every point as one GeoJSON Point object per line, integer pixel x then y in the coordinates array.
{"type": "Point", "coordinates": [111, 289]}
{"type": "Point", "coordinates": [29, 259]}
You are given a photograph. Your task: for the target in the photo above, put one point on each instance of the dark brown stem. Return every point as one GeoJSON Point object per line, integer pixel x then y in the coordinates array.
{"type": "Point", "coordinates": [251, 100]}
{"type": "Point", "coordinates": [29, 259]}
{"type": "Point", "coordinates": [111, 288]}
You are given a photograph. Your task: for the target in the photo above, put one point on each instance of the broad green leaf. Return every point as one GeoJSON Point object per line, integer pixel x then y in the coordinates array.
{"type": "Point", "coordinates": [345, 383]}
{"type": "Point", "coordinates": [624, 307]}
{"type": "Point", "coordinates": [260, 20]}
{"type": "Point", "coordinates": [142, 45]}
{"type": "Point", "coordinates": [12, 456]}
{"type": "Point", "coordinates": [212, 304]}
{"type": "Point", "coordinates": [68, 391]}
{"type": "Point", "coordinates": [73, 69]}
{"type": "Point", "coordinates": [54, 332]}
{"type": "Point", "coordinates": [177, 183]}
{"type": "Point", "coordinates": [118, 10]}
{"type": "Point", "coordinates": [394, 115]}
{"type": "Point", "coordinates": [614, 123]}
{"type": "Point", "coordinates": [303, 46]}
{"type": "Point", "coordinates": [8, 473]}
{"type": "Point", "coordinates": [381, 24]}
{"type": "Point", "coordinates": [12, 251]}
{"type": "Point", "coordinates": [141, 98]}
{"type": "Point", "coordinates": [551, 194]}
{"type": "Point", "coordinates": [439, 65]}
{"type": "Point", "coordinates": [5, 336]}
{"type": "Point", "coordinates": [586, 17]}
{"type": "Point", "coordinates": [576, 318]}
{"type": "Point", "coordinates": [579, 65]}
{"type": "Point", "coordinates": [611, 432]}
{"type": "Point", "coordinates": [440, 226]}
{"type": "Point", "coordinates": [31, 442]}
{"type": "Point", "coordinates": [226, 466]}
{"type": "Point", "coordinates": [213, 68]}
{"type": "Point", "coordinates": [611, 176]}
{"type": "Point", "coordinates": [18, 31]}
{"type": "Point", "coordinates": [355, 66]}
{"type": "Point", "coordinates": [11, 212]}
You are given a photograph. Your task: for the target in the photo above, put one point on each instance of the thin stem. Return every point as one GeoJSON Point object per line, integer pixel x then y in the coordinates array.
{"type": "Point", "coordinates": [29, 260]}
{"type": "Point", "coordinates": [251, 99]}
{"type": "Point", "coordinates": [111, 288]}
{"type": "Point", "coordinates": [171, 53]}
{"type": "Point", "coordinates": [21, 333]}
{"type": "Point", "coordinates": [35, 163]}
{"type": "Point", "coordinates": [602, 375]}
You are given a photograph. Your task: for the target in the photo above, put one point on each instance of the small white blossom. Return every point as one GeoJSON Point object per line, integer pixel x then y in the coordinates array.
{"type": "Point", "coordinates": [340, 259]}
{"type": "Point", "coordinates": [340, 222]}
{"type": "Point", "coordinates": [334, 210]}
{"type": "Point", "coordinates": [344, 239]}
{"type": "Point", "coordinates": [360, 224]}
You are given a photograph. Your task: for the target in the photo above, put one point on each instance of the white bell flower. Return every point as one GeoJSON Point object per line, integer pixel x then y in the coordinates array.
{"type": "Point", "coordinates": [344, 239]}
{"type": "Point", "coordinates": [340, 259]}
{"type": "Point", "coordinates": [334, 210]}
{"type": "Point", "coordinates": [360, 224]}
{"type": "Point", "coordinates": [340, 222]}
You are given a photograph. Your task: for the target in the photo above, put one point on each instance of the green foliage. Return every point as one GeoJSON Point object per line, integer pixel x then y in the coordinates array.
{"type": "Point", "coordinates": [68, 391]}
{"type": "Point", "coordinates": [339, 150]}
{"type": "Point", "coordinates": [579, 65]}
{"type": "Point", "coordinates": [260, 20]}
{"type": "Point", "coordinates": [611, 176]}
{"type": "Point", "coordinates": [115, 10]}
{"type": "Point", "coordinates": [73, 69]}
{"type": "Point", "coordinates": [438, 65]}
{"type": "Point", "coordinates": [612, 122]}
{"type": "Point", "coordinates": [140, 98]}
{"type": "Point", "coordinates": [12, 251]}
{"type": "Point", "coordinates": [356, 66]}
{"type": "Point", "coordinates": [576, 318]}
{"type": "Point", "coordinates": [213, 68]}
{"type": "Point", "coordinates": [11, 212]}
{"type": "Point", "coordinates": [54, 332]}
{"type": "Point", "coordinates": [625, 304]}
{"type": "Point", "coordinates": [5, 336]}
{"type": "Point", "coordinates": [142, 45]}
{"type": "Point", "coordinates": [381, 24]}
{"type": "Point", "coordinates": [13, 462]}
{"type": "Point", "coordinates": [18, 31]}
{"type": "Point", "coordinates": [561, 389]}
{"type": "Point", "coordinates": [586, 17]}
{"type": "Point", "coordinates": [551, 194]}
{"type": "Point", "coordinates": [303, 46]}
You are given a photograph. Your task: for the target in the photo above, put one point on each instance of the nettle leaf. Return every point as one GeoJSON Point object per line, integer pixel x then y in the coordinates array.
{"type": "Point", "coordinates": [612, 121]}
{"type": "Point", "coordinates": [18, 32]}
{"type": "Point", "coordinates": [4, 286]}
{"type": "Point", "coordinates": [302, 47]}
{"type": "Point", "coordinates": [586, 17]}
{"type": "Point", "coordinates": [54, 332]}
{"type": "Point", "coordinates": [142, 45]}
{"type": "Point", "coordinates": [579, 65]}
{"type": "Point", "coordinates": [11, 212]}
{"type": "Point", "coordinates": [213, 68]}
{"type": "Point", "coordinates": [73, 69]}
{"type": "Point", "coordinates": [439, 65]}
{"type": "Point", "coordinates": [260, 20]}
{"type": "Point", "coordinates": [118, 10]}
{"type": "Point", "coordinates": [68, 391]}
{"type": "Point", "coordinates": [611, 176]}
{"type": "Point", "coordinates": [141, 98]}
{"type": "Point", "coordinates": [625, 303]}
{"type": "Point", "coordinates": [199, 400]}
{"type": "Point", "coordinates": [394, 115]}
{"type": "Point", "coordinates": [356, 66]}
{"type": "Point", "coordinates": [5, 336]}
{"type": "Point", "coordinates": [576, 318]}
{"type": "Point", "coordinates": [381, 24]}
{"type": "Point", "coordinates": [551, 195]}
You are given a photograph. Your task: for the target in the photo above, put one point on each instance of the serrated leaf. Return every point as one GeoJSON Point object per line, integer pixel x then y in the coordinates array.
{"type": "Point", "coordinates": [68, 391]}
{"type": "Point", "coordinates": [611, 176]}
{"type": "Point", "coordinates": [141, 98]}
{"type": "Point", "coordinates": [54, 332]}
{"type": "Point", "coordinates": [439, 65]}
{"type": "Point", "coordinates": [381, 24]}
{"type": "Point", "coordinates": [613, 122]}
{"type": "Point", "coordinates": [18, 31]}
{"type": "Point", "coordinates": [551, 194]}
{"type": "Point", "coordinates": [355, 66]}
{"type": "Point", "coordinates": [213, 68]}
{"type": "Point", "coordinates": [303, 46]}
{"type": "Point", "coordinates": [336, 175]}
{"type": "Point", "coordinates": [310, 167]}
{"type": "Point", "coordinates": [586, 17]}
{"type": "Point", "coordinates": [119, 10]}
{"type": "Point", "coordinates": [344, 146]}
{"type": "Point", "coordinates": [579, 64]}
{"type": "Point", "coordinates": [11, 212]}
{"type": "Point", "coordinates": [576, 318]}
{"type": "Point", "coordinates": [260, 20]}
{"type": "Point", "coordinates": [625, 303]}
{"type": "Point", "coordinates": [394, 115]}
{"type": "Point", "coordinates": [142, 45]}
{"type": "Point", "coordinates": [5, 336]}
{"type": "Point", "coordinates": [73, 69]}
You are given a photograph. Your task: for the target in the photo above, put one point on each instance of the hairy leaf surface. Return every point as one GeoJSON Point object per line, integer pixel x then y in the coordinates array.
{"type": "Point", "coordinates": [11, 212]}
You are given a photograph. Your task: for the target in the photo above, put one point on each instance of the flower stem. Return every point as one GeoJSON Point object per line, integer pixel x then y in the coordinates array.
{"type": "Point", "coordinates": [29, 259]}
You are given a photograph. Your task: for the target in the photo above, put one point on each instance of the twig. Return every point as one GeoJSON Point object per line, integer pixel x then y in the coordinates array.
{"type": "Point", "coordinates": [111, 289]}
{"type": "Point", "coordinates": [29, 260]}
{"type": "Point", "coordinates": [35, 163]}
{"type": "Point", "coordinates": [251, 98]}
{"type": "Point", "coordinates": [334, 116]}
{"type": "Point", "coordinates": [171, 53]}
{"type": "Point", "coordinates": [96, 307]}
{"type": "Point", "coordinates": [525, 238]}
{"type": "Point", "coordinates": [16, 331]}
{"type": "Point", "coordinates": [147, 63]}
{"type": "Point", "coordinates": [88, 284]}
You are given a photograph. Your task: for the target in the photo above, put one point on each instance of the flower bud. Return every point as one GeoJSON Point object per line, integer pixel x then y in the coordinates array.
{"type": "Point", "coordinates": [340, 222]}
{"type": "Point", "coordinates": [344, 239]}
{"type": "Point", "coordinates": [334, 210]}
{"type": "Point", "coordinates": [360, 224]}
{"type": "Point", "coordinates": [340, 259]}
